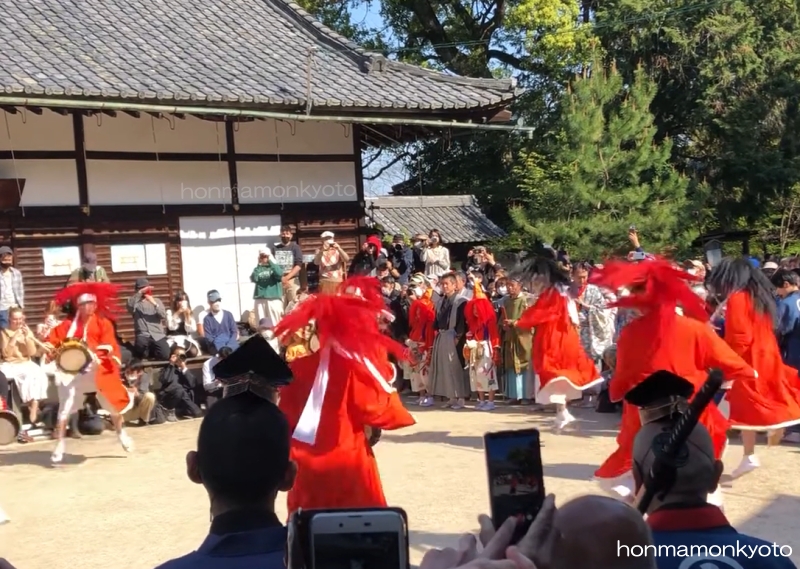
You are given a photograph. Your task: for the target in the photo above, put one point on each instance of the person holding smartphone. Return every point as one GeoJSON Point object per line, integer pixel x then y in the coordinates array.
{"type": "Point", "coordinates": [179, 388]}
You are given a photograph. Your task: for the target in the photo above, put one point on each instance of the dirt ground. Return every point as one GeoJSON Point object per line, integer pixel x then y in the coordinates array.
{"type": "Point", "coordinates": [102, 508]}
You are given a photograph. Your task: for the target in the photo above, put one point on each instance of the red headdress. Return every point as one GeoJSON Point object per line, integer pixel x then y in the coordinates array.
{"type": "Point", "coordinates": [348, 319]}
{"type": "Point", "coordinates": [481, 318]}
{"type": "Point", "coordinates": [656, 285]}
{"type": "Point", "coordinates": [104, 294]}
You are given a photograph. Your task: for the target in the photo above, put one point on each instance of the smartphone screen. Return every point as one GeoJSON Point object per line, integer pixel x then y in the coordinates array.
{"type": "Point", "coordinates": [372, 540]}
{"type": "Point", "coordinates": [514, 467]}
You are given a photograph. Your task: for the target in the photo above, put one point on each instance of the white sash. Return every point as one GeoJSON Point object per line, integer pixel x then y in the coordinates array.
{"type": "Point", "coordinates": [307, 426]}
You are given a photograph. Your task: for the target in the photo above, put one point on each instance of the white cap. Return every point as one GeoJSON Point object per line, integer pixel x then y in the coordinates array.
{"type": "Point", "coordinates": [771, 265]}
{"type": "Point", "coordinates": [327, 235]}
{"type": "Point", "coordinates": [265, 251]}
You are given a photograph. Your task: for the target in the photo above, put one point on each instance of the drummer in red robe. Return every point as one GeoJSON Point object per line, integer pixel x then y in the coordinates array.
{"type": "Point", "coordinates": [771, 400]}
{"type": "Point", "coordinates": [91, 326]}
{"type": "Point", "coordinates": [560, 364]}
{"type": "Point", "coordinates": [341, 393]}
{"type": "Point", "coordinates": [671, 334]}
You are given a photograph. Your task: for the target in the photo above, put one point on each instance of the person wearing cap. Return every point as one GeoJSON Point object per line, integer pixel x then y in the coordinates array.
{"type": "Point", "coordinates": [660, 339]}
{"type": "Point", "coordinates": [149, 316]}
{"type": "Point", "coordinates": [417, 252]}
{"type": "Point", "coordinates": [268, 291]}
{"type": "Point", "coordinates": [95, 307]}
{"type": "Point", "coordinates": [769, 268]}
{"type": "Point", "coordinates": [770, 401]}
{"type": "Point", "coordinates": [402, 259]}
{"type": "Point", "coordinates": [365, 262]}
{"type": "Point", "coordinates": [12, 289]}
{"type": "Point", "coordinates": [243, 461]}
{"type": "Point", "coordinates": [332, 262]}
{"type": "Point", "coordinates": [219, 326]}
{"type": "Point", "coordinates": [88, 271]}
{"type": "Point", "coordinates": [685, 521]}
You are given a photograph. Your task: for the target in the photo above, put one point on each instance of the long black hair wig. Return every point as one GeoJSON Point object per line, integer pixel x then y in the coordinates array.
{"type": "Point", "coordinates": [546, 269]}
{"type": "Point", "coordinates": [734, 275]}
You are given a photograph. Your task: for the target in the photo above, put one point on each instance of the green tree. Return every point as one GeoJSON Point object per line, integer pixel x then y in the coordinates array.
{"type": "Point", "coordinates": [604, 172]}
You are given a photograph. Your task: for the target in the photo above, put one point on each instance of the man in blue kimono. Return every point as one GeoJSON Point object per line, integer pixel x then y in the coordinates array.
{"type": "Point", "coordinates": [242, 460]}
{"type": "Point", "coordinates": [219, 326]}
{"type": "Point", "coordinates": [688, 531]}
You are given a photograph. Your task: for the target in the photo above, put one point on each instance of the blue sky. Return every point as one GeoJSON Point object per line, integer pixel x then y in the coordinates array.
{"type": "Point", "coordinates": [499, 448]}
{"type": "Point", "coordinates": [368, 14]}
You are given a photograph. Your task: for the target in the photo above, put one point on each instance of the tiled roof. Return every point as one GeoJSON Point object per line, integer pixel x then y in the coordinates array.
{"type": "Point", "coordinates": [244, 52]}
{"type": "Point", "coordinates": [458, 218]}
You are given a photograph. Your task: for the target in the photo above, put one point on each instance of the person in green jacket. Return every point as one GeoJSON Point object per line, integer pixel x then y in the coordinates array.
{"type": "Point", "coordinates": [268, 293]}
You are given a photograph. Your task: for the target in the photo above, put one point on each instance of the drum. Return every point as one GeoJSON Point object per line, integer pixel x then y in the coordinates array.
{"type": "Point", "coordinates": [73, 356]}
{"type": "Point", "coordinates": [9, 424]}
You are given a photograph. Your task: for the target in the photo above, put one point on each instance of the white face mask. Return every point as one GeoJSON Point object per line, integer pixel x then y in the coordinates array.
{"type": "Point", "coordinates": [130, 377]}
{"type": "Point", "coordinates": [215, 306]}
{"type": "Point", "coordinates": [268, 335]}
{"type": "Point", "coordinates": [418, 292]}
{"type": "Point", "coordinates": [502, 290]}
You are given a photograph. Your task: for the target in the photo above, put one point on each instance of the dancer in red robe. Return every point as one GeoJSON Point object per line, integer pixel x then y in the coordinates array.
{"type": "Point", "coordinates": [94, 304]}
{"type": "Point", "coordinates": [421, 320]}
{"type": "Point", "coordinates": [672, 334]}
{"type": "Point", "coordinates": [560, 364]}
{"type": "Point", "coordinates": [770, 401]}
{"type": "Point", "coordinates": [340, 391]}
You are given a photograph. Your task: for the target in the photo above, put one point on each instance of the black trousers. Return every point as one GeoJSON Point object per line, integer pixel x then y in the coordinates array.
{"type": "Point", "coordinates": [145, 348]}
{"type": "Point", "coordinates": [181, 392]}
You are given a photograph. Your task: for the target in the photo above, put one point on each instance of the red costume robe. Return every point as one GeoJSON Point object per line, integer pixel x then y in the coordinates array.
{"type": "Point", "coordinates": [99, 335]}
{"type": "Point", "coordinates": [337, 392]}
{"type": "Point", "coordinates": [691, 349]}
{"type": "Point", "coordinates": [771, 400]}
{"type": "Point", "coordinates": [421, 318]}
{"type": "Point", "coordinates": [339, 470]}
{"type": "Point", "coordinates": [559, 361]}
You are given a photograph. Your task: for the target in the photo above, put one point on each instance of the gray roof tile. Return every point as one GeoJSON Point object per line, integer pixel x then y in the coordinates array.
{"type": "Point", "coordinates": [458, 218]}
{"type": "Point", "coordinates": [232, 51]}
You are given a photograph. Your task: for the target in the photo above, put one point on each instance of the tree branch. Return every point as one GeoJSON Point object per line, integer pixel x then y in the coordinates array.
{"type": "Point", "coordinates": [385, 167]}
{"type": "Point", "coordinates": [373, 158]}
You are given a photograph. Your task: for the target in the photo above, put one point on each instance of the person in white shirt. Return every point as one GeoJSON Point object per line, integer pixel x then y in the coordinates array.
{"type": "Point", "coordinates": [213, 386]}
{"type": "Point", "coordinates": [182, 327]}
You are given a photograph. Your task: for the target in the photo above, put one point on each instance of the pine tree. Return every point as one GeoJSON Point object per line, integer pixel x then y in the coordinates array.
{"type": "Point", "coordinates": [605, 173]}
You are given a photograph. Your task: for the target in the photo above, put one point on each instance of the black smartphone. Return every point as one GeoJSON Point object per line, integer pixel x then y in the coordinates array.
{"type": "Point", "coordinates": [516, 484]}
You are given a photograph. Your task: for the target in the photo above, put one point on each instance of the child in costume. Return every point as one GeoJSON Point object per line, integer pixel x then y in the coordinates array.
{"type": "Point", "coordinates": [482, 347]}
{"type": "Point", "coordinates": [563, 370]}
{"type": "Point", "coordinates": [339, 393]}
{"type": "Point", "coordinates": [661, 339]}
{"type": "Point", "coordinates": [769, 401]}
{"type": "Point", "coordinates": [91, 324]}
{"type": "Point", "coordinates": [421, 319]}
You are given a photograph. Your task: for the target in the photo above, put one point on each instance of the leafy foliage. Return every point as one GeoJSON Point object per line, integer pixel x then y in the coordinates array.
{"type": "Point", "coordinates": [606, 173]}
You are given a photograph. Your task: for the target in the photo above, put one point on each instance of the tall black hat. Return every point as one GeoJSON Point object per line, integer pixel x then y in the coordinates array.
{"type": "Point", "coordinates": [662, 395]}
{"type": "Point", "coordinates": [255, 366]}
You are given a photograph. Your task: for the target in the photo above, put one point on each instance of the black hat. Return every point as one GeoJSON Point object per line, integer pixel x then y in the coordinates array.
{"type": "Point", "coordinates": [254, 366]}
{"type": "Point", "coordinates": [662, 395]}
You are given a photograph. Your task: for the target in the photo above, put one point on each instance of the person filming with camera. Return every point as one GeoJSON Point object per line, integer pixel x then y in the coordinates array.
{"type": "Point", "coordinates": [180, 392]}
{"type": "Point", "coordinates": [332, 262]}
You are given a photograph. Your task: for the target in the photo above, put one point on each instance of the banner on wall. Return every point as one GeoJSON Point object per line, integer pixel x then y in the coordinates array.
{"type": "Point", "coordinates": [128, 258]}
{"type": "Point", "coordinates": [61, 261]}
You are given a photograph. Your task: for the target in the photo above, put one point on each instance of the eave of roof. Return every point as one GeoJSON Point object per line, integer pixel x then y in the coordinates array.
{"type": "Point", "coordinates": [458, 218]}
{"type": "Point", "coordinates": [267, 54]}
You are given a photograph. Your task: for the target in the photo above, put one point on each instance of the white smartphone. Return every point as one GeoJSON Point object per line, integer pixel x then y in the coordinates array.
{"type": "Point", "coordinates": [375, 539]}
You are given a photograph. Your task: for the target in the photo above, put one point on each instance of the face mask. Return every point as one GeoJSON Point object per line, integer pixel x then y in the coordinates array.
{"type": "Point", "coordinates": [215, 306]}
{"type": "Point", "coordinates": [502, 291]}
{"type": "Point", "coordinates": [285, 240]}
{"type": "Point", "coordinates": [5, 264]}
{"type": "Point", "coordinates": [418, 292]}
{"type": "Point", "coordinates": [130, 377]}
{"type": "Point", "coordinates": [417, 244]}
{"type": "Point", "coordinates": [267, 334]}
{"type": "Point", "coordinates": [387, 292]}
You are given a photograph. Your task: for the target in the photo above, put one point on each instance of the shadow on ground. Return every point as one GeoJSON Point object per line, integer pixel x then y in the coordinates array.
{"type": "Point", "coordinates": [42, 458]}
{"type": "Point", "coordinates": [436, 437]}
{"type": "Point", "coordinates": [776, 523]}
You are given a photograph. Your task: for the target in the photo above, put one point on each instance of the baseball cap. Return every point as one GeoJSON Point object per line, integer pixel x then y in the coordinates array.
{"type": "Point", "coordinates": [264, 251]}
{"type": "Point", "coordinates": [214, 296]}
{"type": "Point", "coordinates": [771, 265]}
{"type": "Point", "coordinates": [5, 250]}
{"type": "Point", "coordinates": [141, 283]}
{"type": "Point", "coordinates": [327, 235]}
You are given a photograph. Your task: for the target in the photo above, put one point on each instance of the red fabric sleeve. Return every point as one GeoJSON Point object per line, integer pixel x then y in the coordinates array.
{"type": "Point", "coordinates": [548, 307]}
{"type": "Point", "coordinates": [371, 405]}
{"type": "Point", "coordinates": [716, 353]}
{"type": "Point", "coordinates": [738, 326]}
{"type": "Point", "coordinates": [108, 337]}
{"type": "Point", "coordinates": [59, 333]}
